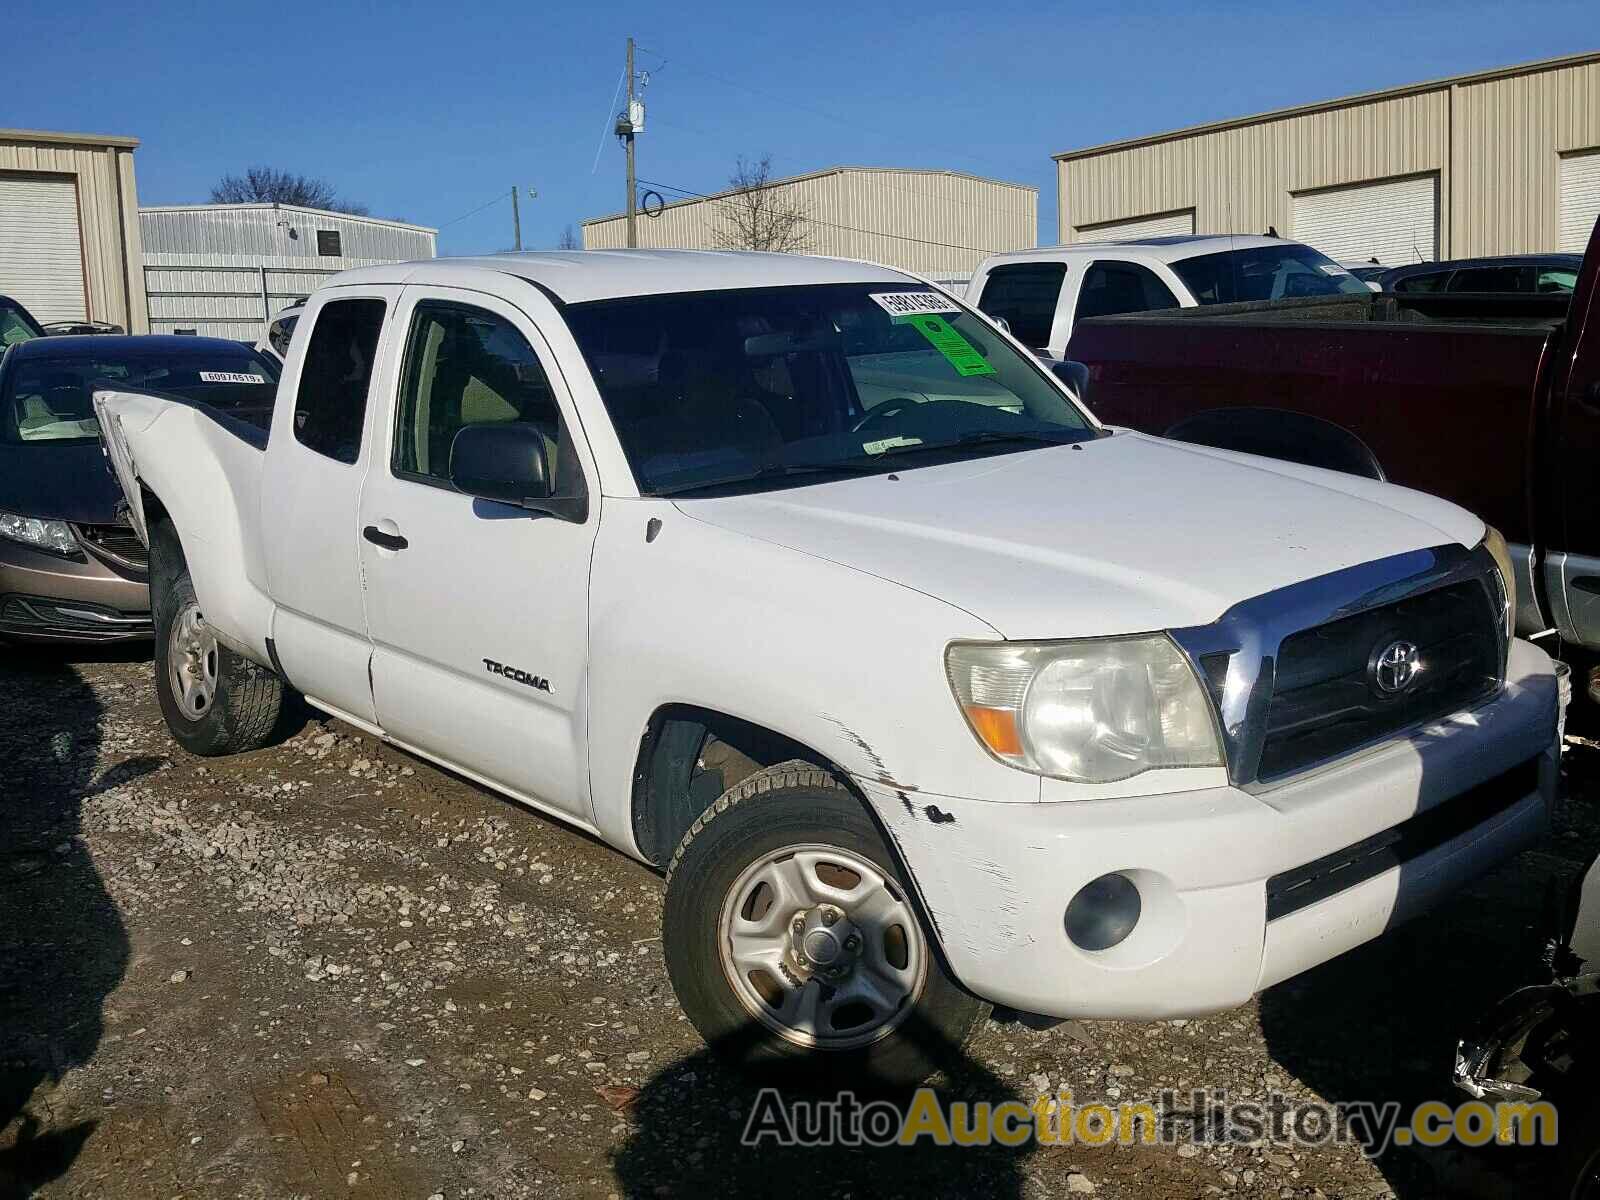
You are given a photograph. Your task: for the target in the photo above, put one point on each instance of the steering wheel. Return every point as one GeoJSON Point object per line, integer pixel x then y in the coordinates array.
{"type": "Point", "coordinates": [888, 410]}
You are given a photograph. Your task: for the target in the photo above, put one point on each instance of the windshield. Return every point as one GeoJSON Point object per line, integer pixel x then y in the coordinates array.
{"type": "Point", "coordinates": [758, 387]}
{"type": "Point", "coordinates": [1265, 273]}
{"type": "Point", "coordinates": [16, 326]}
{"type": "Point", "coordinates": [49, 398]}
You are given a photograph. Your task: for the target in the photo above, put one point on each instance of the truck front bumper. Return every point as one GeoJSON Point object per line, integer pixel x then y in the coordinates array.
{"type": "Point", "coordinates": [1238, 891]}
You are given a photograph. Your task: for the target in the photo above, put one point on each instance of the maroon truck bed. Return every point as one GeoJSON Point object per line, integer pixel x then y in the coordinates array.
{"type": "Point", "coordinates": [1446, 408]}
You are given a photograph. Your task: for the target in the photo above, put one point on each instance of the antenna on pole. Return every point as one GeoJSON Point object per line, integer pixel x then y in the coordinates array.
{"type": "Point", "coordinates": [516, 220]}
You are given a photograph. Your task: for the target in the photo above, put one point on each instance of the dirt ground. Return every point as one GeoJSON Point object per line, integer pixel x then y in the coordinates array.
{"type": "Point", "coordinates": [327, 969]}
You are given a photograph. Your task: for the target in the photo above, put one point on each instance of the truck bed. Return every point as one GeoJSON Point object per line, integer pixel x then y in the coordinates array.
{"type": "Point", "coordinates": [1440, 391]}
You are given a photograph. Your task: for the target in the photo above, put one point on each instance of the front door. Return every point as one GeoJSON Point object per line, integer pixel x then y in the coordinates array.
{"type": "Point", "coordinates": [478, 611]}
{"type": "Point", "coordinates": [320, 451]}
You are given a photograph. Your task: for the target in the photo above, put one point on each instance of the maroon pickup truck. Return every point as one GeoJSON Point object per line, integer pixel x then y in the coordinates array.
{"type": "Point", "coordinates": [1491, 402]}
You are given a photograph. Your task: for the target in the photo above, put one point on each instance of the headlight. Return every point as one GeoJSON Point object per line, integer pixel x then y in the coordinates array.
{"type": "Point", "coordinates": [1496, 546]}
{"type": "Point", "coordinates": [1092, 711]}
{"type": "Point", "coordinates": [54, 536]}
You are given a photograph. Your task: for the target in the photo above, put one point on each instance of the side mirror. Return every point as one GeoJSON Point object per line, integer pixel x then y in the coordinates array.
{"type": "Point", "coordinates": [1001, 323]}
{"type": "Point", "coordinates": [508, 462]}
{"type": "Point", "coordinates": [1074, 374]}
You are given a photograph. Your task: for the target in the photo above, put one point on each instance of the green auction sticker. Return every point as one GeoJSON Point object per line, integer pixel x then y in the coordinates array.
{"type": "Point", "coordinates": [947, 340]}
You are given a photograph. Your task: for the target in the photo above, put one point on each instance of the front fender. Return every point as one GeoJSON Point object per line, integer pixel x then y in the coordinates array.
{"type": "Point", "coordinates": [845, 663]}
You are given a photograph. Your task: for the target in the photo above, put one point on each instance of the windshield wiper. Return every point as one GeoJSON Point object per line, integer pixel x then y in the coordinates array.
{"type": "Point", "coordinates": [770, 471]}
{"type": "Point", "coordinates": [980, 437]}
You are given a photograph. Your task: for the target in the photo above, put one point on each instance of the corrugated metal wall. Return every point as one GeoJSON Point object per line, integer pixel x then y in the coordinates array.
{"type": "Point", "coordinates": [108, 207]}
{"type": "Point", "coordinates": [225, 270]}
{"type": "Point", "coordinates": [1494, 143]}
{"type": "Point", "coordinates": [932, 222]}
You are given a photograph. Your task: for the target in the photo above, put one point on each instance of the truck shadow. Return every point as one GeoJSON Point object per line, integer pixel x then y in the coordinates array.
{"type": "Point", "coordinates": [690, 1120]}
{"type": "Point", "coordinates": [63, 947]}
{"type": "Point", "coordinates": [1381, 1022]}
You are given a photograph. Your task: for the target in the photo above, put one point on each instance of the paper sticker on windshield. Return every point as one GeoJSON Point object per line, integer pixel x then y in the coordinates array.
{"type": "Point", "coordinates": [888, 443]}
{"type": "Point", "coordinates": [909, 304]}
{"type": "Point", "coordinates": [231, 377]}
{"type": "Point", "coordinates": [947, 340]}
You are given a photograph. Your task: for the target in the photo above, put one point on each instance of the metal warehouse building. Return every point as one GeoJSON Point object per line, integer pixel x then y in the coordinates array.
{"type": "Point", "coordinates": [933, 222]}
{"type": "Point", "coordinates": [224, 270]}
{"type": "Point", "coordinates": [69, 229]}
{"type": "Point", "coordinates": [1498, 162]}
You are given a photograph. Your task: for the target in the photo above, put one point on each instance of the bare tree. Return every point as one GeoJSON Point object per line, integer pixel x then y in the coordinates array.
{"type": "Point", "coordinates": [267, 184]}
{"type": "Point", "coordinates": [569, 240]}
{"type": "Point", "coordinates": [760, 215]}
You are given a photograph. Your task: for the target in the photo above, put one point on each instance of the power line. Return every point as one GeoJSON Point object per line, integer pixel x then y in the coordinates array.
{"type": "Point", "coordinates": [684, 192]}
{"type": "Point", "coordinates": [474, 212]}
{"type": "Point", "coordinates": [611, 116]}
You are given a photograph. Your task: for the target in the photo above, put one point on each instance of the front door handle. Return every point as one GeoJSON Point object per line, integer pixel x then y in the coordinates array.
{"type": "Point", "coordinates": [389, 541]}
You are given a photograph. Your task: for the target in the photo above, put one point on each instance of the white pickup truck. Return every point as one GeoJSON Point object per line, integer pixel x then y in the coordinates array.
{"type": "Point", "coordinates": [1041, 294]}
{"type": "Point", "coordinates": [808, 584]}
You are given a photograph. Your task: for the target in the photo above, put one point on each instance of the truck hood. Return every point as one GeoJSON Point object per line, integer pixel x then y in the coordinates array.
{"type": "Point", "coordinates": [1124, 534]}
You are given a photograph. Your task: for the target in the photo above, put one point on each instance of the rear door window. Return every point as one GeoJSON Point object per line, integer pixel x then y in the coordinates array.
{"type": "Point", "coordinates": [1492, 279]}
{"type": "Point", "coordinates": [1430, 281]}
{"type": "Point", "coordinates": [1121, 287]}
{"type": "Point", "coordinates": [1025, 296]}
{"type": "Point", "coordinates": [331, 405]}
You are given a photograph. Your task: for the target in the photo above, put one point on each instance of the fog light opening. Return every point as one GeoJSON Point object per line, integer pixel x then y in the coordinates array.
{"type": "Point", "coordinates": [1103, 913]}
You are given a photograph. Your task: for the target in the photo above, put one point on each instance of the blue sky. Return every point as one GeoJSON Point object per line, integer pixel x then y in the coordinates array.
{"type": "Point", "coordinates": [429, 111]}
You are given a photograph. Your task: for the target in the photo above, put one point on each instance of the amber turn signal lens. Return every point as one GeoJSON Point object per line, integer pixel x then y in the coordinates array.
{"type": "Point", "coordinates": [997, 727]}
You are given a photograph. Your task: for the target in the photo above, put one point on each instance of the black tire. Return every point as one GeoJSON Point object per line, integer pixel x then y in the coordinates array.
{"type": "Point", "coordinates": [246, 703]}
{"type": "Point", "coordinates": [795, 803]}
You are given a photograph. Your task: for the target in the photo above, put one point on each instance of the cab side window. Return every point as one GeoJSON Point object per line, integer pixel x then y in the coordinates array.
{"type": "Point", "coordinates": [1492, 279]}
{"type": "Point", "coordinates": [1025, 295]}
{"type": "Point", "coordinates": [330, 408]}
{"type": "Point", "coordinates": [465, 366]}
{"type": "Point", "coordinates": [1432, 281]}
{"type": "Point", "coordinates": [1121, 287]}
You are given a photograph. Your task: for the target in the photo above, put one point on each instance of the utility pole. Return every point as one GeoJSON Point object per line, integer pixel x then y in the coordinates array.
{"type": "Point", "coordinates": [516, 219]}
{"type": "Point", "coordinates": [627, 141]}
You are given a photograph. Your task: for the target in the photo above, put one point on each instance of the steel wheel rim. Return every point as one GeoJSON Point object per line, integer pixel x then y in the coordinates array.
{"type": "Point", "coordinates": [192, 664]}
{"type": "Point", "coordinates": [791, 963]}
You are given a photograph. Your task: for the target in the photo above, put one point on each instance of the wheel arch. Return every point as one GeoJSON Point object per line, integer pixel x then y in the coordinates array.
{"type": "Point", "coordinates": [1281, 433]}
{"type": "Point", "coordinates": [665, 802]}
{"type": "Point", "coordinates": [672, 785]}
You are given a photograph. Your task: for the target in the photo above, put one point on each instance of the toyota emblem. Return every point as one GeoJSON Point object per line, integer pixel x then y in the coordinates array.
{"type": "Point", "coordinates": [1395, 667]}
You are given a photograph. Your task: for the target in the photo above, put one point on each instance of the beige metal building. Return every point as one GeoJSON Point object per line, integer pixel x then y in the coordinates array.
{"type": "Point", "coordinates": [933, 222]}
{"type": "Point", "coordinates": [69, 227]}
{"type": "Point", "coordinates": [1497, 162]}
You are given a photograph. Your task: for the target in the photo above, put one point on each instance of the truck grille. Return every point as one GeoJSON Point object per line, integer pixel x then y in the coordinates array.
{"type": "Point", "coordinates": [1325, 701]}
{"type": "Point", "coordinates": [116, 542]}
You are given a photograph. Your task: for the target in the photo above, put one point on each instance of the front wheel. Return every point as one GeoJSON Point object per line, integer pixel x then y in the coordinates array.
{"type": "Point", "coordinates": [793, 941]}
{"type": "Point", "coordinates": [214, 700]}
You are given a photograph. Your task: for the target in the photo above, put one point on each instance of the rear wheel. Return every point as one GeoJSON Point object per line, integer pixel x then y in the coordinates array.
{"type": "Point", "coordinates": [215, 701]}
{"type": "Point", "coordinates": [793, 941]}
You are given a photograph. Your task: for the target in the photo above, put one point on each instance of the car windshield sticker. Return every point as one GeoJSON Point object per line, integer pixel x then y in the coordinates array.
{"type": "Point", "coordinates": [947, 340]}
{"type": "Point", "coordinates": [888, 443]}
{"type": "Point", "coordinates": [231, 377]}
{"type": "Point", "coordinates": [906, 304]}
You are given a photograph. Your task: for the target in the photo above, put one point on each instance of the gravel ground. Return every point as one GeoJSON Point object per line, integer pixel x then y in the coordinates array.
{"type": "Point", "coordinates": [328, 969]}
